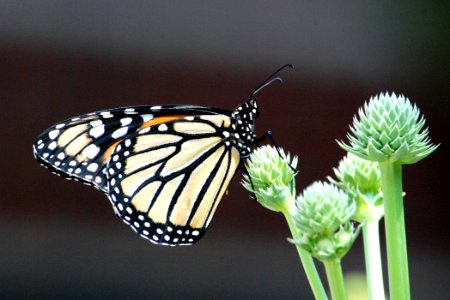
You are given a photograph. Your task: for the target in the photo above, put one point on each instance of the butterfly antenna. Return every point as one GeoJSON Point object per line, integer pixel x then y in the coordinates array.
{"type": "Point", "coordinates": [270, 80]}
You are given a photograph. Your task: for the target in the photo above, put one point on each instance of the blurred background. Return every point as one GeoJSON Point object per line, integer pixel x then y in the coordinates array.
{"type": "Point", "coordinates": [59, 59]}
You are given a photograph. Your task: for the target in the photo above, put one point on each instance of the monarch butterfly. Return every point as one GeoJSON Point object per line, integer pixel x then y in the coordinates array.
{"type": "Point", "coordinates": [163, 168]}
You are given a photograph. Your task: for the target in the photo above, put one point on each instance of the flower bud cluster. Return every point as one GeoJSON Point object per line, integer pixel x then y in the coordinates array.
{"type": "Point", "coordinates": [271, 178]}
{"type": "Point", "coordinates": [361, 180]}
{"type": "Point", "coordinates": [389, 127]}
{"type": "Point", "coordinates": [323, 216]}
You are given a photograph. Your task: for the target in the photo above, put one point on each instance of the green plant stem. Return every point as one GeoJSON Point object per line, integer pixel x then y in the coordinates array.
{"type": "Point", "coordinates": [372, 253]}
{"type": "Point", "coordinates": [308, 263]}
{"type": "Point", "coordinates": [397, 257]}
{"type": "Point", "coordinates": [335, 279]}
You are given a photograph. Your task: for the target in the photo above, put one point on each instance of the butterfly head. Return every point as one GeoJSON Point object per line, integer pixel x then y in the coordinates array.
{"type": "Point", "coordinates": [243, 118]}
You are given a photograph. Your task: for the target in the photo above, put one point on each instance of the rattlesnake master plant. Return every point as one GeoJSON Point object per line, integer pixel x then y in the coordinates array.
{"type": "Point", "coordinates": [389, 128]}
{"type": "Point", "coordinates": [271, 178]}
{"type": "Point", "coordinates": [361, 180]}
{"type": "Point", "coordinates": [322, 214]}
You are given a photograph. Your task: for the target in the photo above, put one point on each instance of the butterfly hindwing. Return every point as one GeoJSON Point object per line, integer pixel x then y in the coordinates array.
{"type": "Point", "coordinates": [167, 180]}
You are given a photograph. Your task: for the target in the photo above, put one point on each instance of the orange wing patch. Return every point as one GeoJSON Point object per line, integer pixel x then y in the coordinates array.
{"type": "Point", "coordinates": [160, 120]}
{"type": "Point", "coordinates": [107, 154]}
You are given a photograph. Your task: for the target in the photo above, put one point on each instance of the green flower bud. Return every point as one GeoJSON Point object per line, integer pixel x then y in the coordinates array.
{"type": "Point", "coordinates": [361, 180]}
{"type": "Point", "coordinates": [322, 215]}
{"type": "Point", "coordinates": [389, 128]}
{"type": "Point", "coordinates": [271, 177]}
{"type": "Point", "coordinates": [322, 208]}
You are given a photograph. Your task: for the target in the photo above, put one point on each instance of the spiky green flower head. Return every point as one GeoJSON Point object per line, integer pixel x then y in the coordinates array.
{"type": "Point", "coordinates": [271, 177]}
{"type": "Point", "coordinates": [361, 180]}
{"type": "Point", "coordinates": [322, 216]}
{"type": "Point", "coordinates": [389, 128]}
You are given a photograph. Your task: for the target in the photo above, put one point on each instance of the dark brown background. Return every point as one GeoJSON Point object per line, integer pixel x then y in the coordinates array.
{"type": "Point", "coordinates": [59, 59]}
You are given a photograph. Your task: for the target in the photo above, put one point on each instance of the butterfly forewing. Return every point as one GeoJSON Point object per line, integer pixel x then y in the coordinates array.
{"type": "Point", "coordinates": [79, 148]}
{"type": "Point", "coordinates": [167, 180]}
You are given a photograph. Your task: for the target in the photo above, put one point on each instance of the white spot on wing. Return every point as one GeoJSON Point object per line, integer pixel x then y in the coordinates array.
{"type": "Point", "coordinates": [97, 131]}
{"type": "Point", "coordinates": [52, 145]}
{"type": "Point", "coordinates": [106, 114]}
{"type": "Point", "coordinates": [120, 132]}
{"type": "Point", "coordinates": [162, 127]}
{"type": "Point", "coordinates": [92, 167]}
{"type": "Point", "coordinates": [126, 121]}
{"type": "Point", "coordinates": [96, 123]}
{"type": "Point", "coordinates": [147, 117]}
{"type": "Point", "coordinates": [91, 151]}
{"type": "Point", "coordinates": [53, 134]}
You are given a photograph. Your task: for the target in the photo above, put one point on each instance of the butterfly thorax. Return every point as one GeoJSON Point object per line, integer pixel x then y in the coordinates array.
{"type": "Point", "coordinates": [243, 126]}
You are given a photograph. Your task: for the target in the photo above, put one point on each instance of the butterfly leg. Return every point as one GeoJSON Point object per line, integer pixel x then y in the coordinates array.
{"type": "Point", "coordinates": [268, 134]}
{"type": "Point", "coordinates": [245, 171]}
